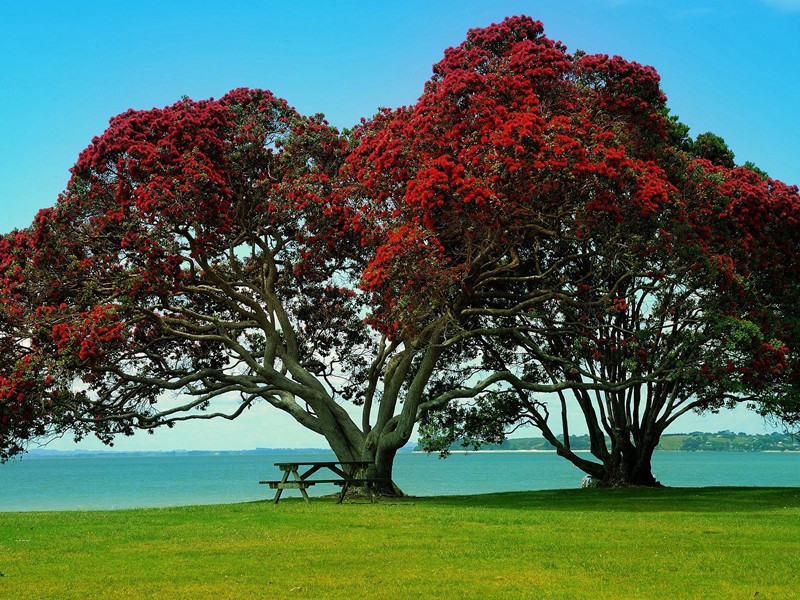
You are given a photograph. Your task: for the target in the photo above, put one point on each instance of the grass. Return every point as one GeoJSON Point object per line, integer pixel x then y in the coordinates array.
{"type": "Point", "coordinates": [672, 543]}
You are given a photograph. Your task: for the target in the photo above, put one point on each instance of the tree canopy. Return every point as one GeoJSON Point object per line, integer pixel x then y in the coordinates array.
{"type": "Point", "coordinates": [160, 265]}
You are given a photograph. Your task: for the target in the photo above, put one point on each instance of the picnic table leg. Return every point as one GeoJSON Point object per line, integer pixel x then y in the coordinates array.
{"type": "Point", "coordinates": [280, 489]}
{"type": "Point", "coordinates": [302, 489]}
{"type": "Point", "coordinates": [345, 487]}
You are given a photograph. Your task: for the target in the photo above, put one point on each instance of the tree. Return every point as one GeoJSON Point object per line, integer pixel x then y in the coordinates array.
{"type": "Point", "coordinates": [584, 250]}
{"type": "Point", "coordinates": [203, 258]}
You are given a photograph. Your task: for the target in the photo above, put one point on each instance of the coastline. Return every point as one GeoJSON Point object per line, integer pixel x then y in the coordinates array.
{"type": "Point", "coordinates": [465, 451]}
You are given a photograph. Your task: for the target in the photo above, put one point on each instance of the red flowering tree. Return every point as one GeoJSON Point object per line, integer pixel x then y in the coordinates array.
{"type": "Point", "coordinates": [581, 251]}
{"type": "Point", "coordinates": [203, 259]}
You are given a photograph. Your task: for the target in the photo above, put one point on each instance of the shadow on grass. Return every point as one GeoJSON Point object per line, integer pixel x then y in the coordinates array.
{"type": "Point", "coordinates": [710, 499]}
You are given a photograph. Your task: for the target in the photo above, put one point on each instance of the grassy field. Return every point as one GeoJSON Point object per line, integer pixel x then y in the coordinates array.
{"type": "Point", "coordinates": [673, 543]}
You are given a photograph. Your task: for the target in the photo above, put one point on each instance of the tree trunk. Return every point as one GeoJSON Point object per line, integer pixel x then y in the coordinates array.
{"type": "Point", "coordinates": [629, 465]}
{"type": "Point", "coordinates": [366, 449]}
{"type": "Point", "coordinates": [346, 449]}
{"type": "Point", "coordinates": [383, 463]}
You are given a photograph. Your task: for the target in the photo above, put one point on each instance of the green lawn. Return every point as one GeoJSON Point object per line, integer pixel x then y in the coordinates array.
{"type": "Point", "coordinates": [672, 543]}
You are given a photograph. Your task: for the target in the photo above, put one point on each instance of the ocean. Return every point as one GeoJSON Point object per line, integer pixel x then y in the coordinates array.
{"type": "Point", "coordinates": [113, 482]}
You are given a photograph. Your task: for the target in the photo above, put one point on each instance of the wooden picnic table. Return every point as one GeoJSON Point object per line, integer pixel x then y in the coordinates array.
{"type": "Point", "coordinates": [344, 470]}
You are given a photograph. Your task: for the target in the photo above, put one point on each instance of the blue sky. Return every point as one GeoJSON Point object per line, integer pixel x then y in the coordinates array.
{"type": "Point", "coordinates": [727, 66]}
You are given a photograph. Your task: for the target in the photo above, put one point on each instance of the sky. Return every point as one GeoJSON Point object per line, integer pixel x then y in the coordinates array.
{"type": "Point", "coordinates": [727, 66]}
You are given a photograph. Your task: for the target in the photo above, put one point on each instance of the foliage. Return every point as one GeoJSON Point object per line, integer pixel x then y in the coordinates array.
{"type": "Point", "coordinates": [144, 277]}
{"type": "Point", "coordinates": [727, 441]}
{"type": "Point", "coordinates": [20, 391]}
{"type": "Point", "coordinates": [713, 148]}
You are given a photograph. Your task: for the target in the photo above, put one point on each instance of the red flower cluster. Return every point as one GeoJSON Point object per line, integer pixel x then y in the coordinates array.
{"type": "Point", "coordinates": [91, 338]}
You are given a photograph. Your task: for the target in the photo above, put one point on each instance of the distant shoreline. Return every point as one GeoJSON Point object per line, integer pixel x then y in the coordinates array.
{"type": "Point", "coordinates": [696, 441]}
{"type": "Point", "coordinates": [464, 451]}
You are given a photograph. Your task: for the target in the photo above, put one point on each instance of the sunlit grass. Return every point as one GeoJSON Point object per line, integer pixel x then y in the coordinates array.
{"type": "Point", "coordinates": [674, 543]}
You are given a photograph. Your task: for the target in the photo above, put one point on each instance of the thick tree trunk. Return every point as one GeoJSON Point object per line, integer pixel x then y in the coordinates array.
{"type": "Point", "coordinates": [379, 444]}
{"type": "Point", "coordinates": [629, 465]}
{"type": "Point", "coordinates": [366, 449]}
{"type": "Point", "coordinates": [622, 441]}
{"type": "Point", "coordinates": [381, 454]}
{"type": "Point", "coordinates": [383, 463]}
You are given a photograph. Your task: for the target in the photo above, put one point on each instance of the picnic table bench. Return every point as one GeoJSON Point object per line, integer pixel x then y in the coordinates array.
{"type": "Point", "coordinates": [345, 471]}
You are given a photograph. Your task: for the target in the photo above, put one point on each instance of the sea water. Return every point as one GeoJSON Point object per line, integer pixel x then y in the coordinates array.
{"type": "Point", "coordinates": [111, 482]}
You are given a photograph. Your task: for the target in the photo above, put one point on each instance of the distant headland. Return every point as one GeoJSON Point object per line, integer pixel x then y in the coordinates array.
{"type": "Point", "coordinates": [696, 441]}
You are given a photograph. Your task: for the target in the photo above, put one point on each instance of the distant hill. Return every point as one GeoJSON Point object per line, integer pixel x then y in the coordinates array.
{"type": "Point", "coordinates": [47, 453]}
{"type": "Point", "coordinates": [697, 441]}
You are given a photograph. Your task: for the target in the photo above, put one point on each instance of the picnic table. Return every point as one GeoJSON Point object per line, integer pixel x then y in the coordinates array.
{"type": "Point", "coordinates": [345, 471]}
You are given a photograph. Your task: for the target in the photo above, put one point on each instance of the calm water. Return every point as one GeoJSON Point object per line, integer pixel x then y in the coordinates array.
{"type": "Point", "coordinates": [130, 482]}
